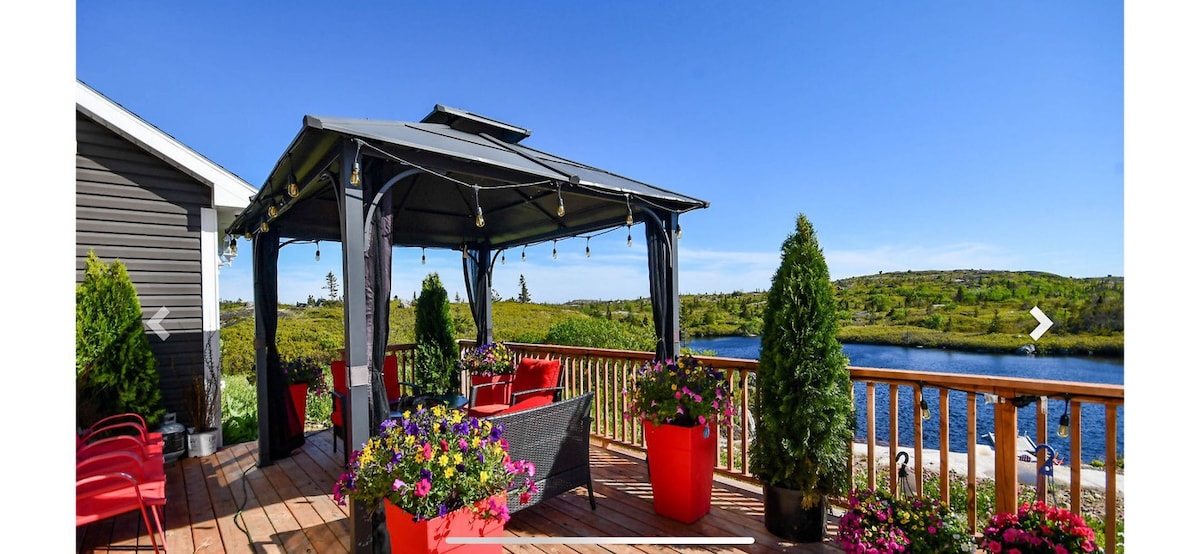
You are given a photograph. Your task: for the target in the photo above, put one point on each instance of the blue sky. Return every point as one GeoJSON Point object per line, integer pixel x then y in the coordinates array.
{"type": "Point", "coordinates": [914, 135]}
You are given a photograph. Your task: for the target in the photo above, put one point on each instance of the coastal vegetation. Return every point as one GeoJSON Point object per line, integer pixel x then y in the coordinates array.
{"type": "Point", "coordinates": [970, 310]}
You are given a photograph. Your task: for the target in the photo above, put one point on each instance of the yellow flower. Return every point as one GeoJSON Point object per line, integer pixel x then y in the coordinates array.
{"type": "Point", "coordinates": [450, 471]}
{"type": "Point", "coordinates": [443, 460]}
{"type": "Point", "coordinates": [458, 457]}
{"type": "Point", "coordinates": [475, 442]}
{"type": "Point", "coordinates": [483, 476]}
{"type": "Point", "coordinates": [410, 440]}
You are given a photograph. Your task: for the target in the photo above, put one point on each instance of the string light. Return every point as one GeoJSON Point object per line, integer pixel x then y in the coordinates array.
{"type": "Point", "coordinates": [678, 232]}
{"type": "Point", "coordinates": [628, 213]}
{"type": "Point", "coordinates": [554, 252]}
{"type": "Point", "coordinates": [355, 179]}
{"type": "Point", "coordinates": [588, 248]}
{"type": "Point", "coordinates": [318, 256]}
{"type": "Point", "coordinates": [925, 410]}
{"type": "Point", "coordinates": [422, 255]}
{"type": "Point", "coordinates": [562, 210]}
{"type": "Point", "coordinates": [629, 239]}
{"type": "Point", "coordinates": [248, 235]}
{"type": "Point", "coordinates": [501, 257]}
{"type": "Point", "coordinates": [272, 211]}
{"type": "Point", "coordinates": [522, 253]}
{"type": "Point", "coordinates": [264, 227]}
{"type": "Point", "coordinates": [478, 210]}
{"type": "Point", "coordinates": [1064, 422]}
{"type": "Point", "coordinates": [293, 189]}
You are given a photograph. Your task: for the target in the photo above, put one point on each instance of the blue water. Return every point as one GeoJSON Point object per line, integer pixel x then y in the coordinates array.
{"type": "Point", "coordinates": [1083, 369]}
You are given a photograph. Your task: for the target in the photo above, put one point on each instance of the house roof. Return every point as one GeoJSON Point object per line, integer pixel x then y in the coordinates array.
{"type": "Point", "coordinates": [459, 164]}
{"type": "Point", "coordinates": [229, 190]}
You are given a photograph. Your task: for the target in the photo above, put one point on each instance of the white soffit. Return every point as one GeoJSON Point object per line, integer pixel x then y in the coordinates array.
{"type": "Point", "coordinates": [229, 190]}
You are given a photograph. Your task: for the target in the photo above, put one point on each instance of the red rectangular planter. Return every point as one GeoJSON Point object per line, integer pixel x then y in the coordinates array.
{"type": "Point", "coordinates": [681, 469]}
{"type": "Point", "coordinates": [429, 536]}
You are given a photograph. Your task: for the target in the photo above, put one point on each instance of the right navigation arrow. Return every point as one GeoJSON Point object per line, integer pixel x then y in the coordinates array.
{"type": "Point", "coordinates": [1044, 323]}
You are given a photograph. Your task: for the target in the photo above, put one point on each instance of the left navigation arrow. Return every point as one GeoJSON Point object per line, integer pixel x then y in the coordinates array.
{"type": "Point", "coordinates": [155, 323]}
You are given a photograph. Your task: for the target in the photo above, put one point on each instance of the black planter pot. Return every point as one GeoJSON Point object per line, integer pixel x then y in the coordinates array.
{"type": "Point", "coordinates": [785, 518]}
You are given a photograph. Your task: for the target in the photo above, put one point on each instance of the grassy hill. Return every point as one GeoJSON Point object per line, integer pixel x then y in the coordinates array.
{"type": "Point", "coordinates": [970, 310]}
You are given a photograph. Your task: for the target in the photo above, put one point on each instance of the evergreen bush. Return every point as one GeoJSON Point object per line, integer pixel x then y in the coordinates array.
{"type": "Point", "coordinates": [115, 370]}
{"type": "Point", "coordinates": [803, 409]}
{"type": "Point", "coordinates": [437, 351]}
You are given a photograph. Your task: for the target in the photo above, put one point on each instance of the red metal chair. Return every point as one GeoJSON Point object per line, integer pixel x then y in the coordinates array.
{"type": "Point", "coordinates": [536, 382]}
{"type": "Point", "coordinates": [117, 482]}
{"type": "Point", "coordinates": [338, 372]}
{"type": "Point", "coordinates": [124, 423]}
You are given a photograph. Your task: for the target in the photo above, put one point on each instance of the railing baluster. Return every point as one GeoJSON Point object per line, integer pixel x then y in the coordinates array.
{"type": "Point", "coordinates": [870, 400]}
{"type": "Point", "coordinates": [918, 467]}
{"type": "Point", "coordinates": [1041, 439]}
{"type": "Point", "coordinates": [744, 414]}
{"type": "Point", "coordinates": [972, 433]}
{"type": "Point", "coordinates": [944, 427]}
{"type": "Point", "coordinates": [1110, 478]}
{"type": "Point", "coordinates": [894, 438]}
{"type": "Point", "coordinates": [1076, 458]}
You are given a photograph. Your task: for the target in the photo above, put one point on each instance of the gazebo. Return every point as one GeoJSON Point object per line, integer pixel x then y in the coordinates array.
{"type": "Point", "coordinates": [454, 180]}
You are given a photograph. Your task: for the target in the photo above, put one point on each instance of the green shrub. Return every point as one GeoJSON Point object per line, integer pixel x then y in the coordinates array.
{"type": "Point", "coordinates": [437, 350]}
{"type": "Point", "coordinates": [239, 410]}
{"type": "Point", "coordinates": [803, 408]}
{"type": "Point", "coordinates": [115, 370]}
{"type": "Point", "coordinates": [601, 333]}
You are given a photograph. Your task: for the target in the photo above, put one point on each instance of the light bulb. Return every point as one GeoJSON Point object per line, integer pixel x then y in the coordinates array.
{"type": "Point", "coordinates": [502, 258]}
{"type": "Point", "coordinates": [925, 410]}
{"type": "Point", "coordinates": [588, 251]}
{"type": "Point", "coordinates": [318, 256]}
{"type": "Point", "coordinates": [554, 253]}
{"type": "Point", "coordinates": [355, 180]}
{"type": "Point", "coordinates": [522, 253]}
{"type": "Point", "coordinates": [678, 232]}
{"type": "Point", "coordinates": [248, 235]}
{"type": "Point", "coordinates": [629, 219]}
{"type": "Point", "coordinates": [422, 256]}
{"type": "Point", "coordinates": [1064, 425]}
{"type": "Point", "coordinates": [629, 240]}
{"type": "Point", "coordinates": [562, 210]}
{"type": "Point", "coordinates": [263, 227]}
{"type": "Point", "coordinates": [478, 217]}
{"type": "Point", "coordinates": [293, 189]}
{"type": "Point", "coordinates": [272, 211]}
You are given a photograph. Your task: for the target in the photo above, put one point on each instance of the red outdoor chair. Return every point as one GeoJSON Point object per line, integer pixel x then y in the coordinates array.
{"type": "Point", "coordinates": [117, 482]}
{"type": "Point", "coordinates": [392, 386]}
{"type": "Point", "coordinates": [536, 382]}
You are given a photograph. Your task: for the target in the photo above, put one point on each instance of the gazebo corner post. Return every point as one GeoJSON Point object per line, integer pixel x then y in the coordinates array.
{"type": "Point", "coordinates": [357, 410]}
{"type": "Point", "coordinates": [477, 272]}
{"type": "Point", "coordinates": [662, 247]}
{"type": "Point", "coordinates": [265, 259]}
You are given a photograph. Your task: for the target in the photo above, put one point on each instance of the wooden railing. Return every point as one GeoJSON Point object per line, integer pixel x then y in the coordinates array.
{"type": "Point", "coordinates": [610, 374]}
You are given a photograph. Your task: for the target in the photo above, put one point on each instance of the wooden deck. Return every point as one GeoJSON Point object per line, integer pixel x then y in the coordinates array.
{"type": "Point", "coordinates": [225, 503]}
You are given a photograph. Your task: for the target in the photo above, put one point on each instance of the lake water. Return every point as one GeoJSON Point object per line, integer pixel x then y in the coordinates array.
{"type": "Point", "coordinates": [1083, 369]}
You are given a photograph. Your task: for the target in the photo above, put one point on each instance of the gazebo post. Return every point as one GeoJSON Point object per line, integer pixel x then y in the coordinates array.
{"type": "Point", "coordinates": [477, 270]}
{"type": "Point", "coordinates": [662, 249]}
{"type": "Point", "coordinates": [354, 277]}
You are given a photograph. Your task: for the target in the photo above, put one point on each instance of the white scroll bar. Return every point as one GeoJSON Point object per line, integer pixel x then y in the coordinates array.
{"type": "Point", "coordinates": [601, 540]}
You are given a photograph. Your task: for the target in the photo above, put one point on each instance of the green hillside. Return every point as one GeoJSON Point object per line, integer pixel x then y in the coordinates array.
{"type": "Point", "coordinates": [961, 309]}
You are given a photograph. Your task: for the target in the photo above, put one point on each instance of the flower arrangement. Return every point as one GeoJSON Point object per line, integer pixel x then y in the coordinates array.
{"type": "Point", "coordinates": [490, 359]}
{"type": "Point", "coordinates": [432, 462]}
{"type": "Point", "coordinates": [684, 393]}
{"type": "Point", "coordinates": [1038, 528]}
{"type": "Point", "coordinates": [305, 370]}
{"type": "Point", "coordinates": [875, 522]}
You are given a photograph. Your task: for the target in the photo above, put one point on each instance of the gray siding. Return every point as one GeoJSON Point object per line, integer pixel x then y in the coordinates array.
{"type": "Point", "coordinates": [132, 206]}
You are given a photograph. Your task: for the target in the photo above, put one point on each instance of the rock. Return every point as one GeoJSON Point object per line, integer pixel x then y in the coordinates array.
{"type": "Point", "coordinates": [1027, 349]}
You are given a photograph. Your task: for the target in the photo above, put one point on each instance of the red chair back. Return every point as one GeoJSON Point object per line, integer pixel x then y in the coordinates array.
{"type": "Point", "coordinates": [338, 371]}
{"type": "Point", "coordinates": [534, 373]}
{"type": "Point", "coordinates": [391, 377]}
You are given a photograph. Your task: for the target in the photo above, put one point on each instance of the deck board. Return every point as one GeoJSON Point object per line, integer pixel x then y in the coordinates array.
{"type": "Point", "coordinates": [225, 503]}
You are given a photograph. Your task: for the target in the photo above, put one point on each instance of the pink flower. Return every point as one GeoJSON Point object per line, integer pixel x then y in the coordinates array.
{"type": "Point", "coordinates": [422, 487]}
{"type": "Point", "coordinates": [703, 420]}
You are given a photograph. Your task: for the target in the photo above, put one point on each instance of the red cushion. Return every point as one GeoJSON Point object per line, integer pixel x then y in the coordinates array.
{"type": "Point", "coordinates": [533, 401]}
{"type": "Point", "coordinates": [534, 373]}
{"type": "Point", "coordinates": [337, 370]}
{"type": "Point", "coordinates": [391, 377]}
{"type": "Point", "coordinates": [487, 410]}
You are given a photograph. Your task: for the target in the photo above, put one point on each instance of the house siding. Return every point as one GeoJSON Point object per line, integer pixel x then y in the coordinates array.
{"type": "Point", "coordinates": [132, 206]}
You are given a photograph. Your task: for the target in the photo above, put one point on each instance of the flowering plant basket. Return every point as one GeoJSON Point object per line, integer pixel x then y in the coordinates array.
{"type": "Point", "coordinates": [684, 392]}
{"type": "Point", "coordinates": [435, 461]}
{"type": "Point", "coordinates": [876, 522]}
{"type": "Point", "coordinates": [305, 370]}
{"type": "Point", "coordinates": [1038, 528]}
{"type": "Point", "coordinates": [488, 360]}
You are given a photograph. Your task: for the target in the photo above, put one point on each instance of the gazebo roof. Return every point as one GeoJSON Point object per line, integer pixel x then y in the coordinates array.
{"type": "Point", "coordinates": [456, 164]}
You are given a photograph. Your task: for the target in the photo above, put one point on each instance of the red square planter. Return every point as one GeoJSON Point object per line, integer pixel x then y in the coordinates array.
{"type": "Point", "coordinates": [299, 394]}
{"type": "Point", "coordinates": [429, 536]}
{"type": "Point", "coordinates": [498, 394]}
{"type": "Point", "coordinates": [681, 469]}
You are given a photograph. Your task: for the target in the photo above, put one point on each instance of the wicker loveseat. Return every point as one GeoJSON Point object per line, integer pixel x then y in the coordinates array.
{"type": "Point", "coordinates": [555, 438]}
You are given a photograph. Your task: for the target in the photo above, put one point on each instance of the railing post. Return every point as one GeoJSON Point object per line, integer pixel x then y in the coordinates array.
{"type": "Point", "coordinates": [1006, 452]}
{"type": "Point", "coordinates": [871, 434]}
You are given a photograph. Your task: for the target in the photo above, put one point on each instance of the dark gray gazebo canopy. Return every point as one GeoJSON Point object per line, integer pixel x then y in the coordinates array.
{"type": "Point", "coordinates": [453, 180]}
